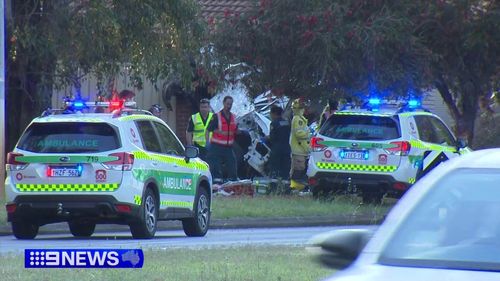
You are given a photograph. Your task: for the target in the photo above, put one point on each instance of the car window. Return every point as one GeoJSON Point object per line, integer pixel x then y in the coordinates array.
{"type": "Point", "coordinates": [361, 127]}
{"type": "Point", "coordinates": [426, 129]}
{"type": "Point", "coordinates": [170, 143]}
{"type": "Point", "coordinates": [443, 134]}
{"type": "Point", "coordinates": [148, 136]}
{"type": "Point", "coordinates": [456, 225]}
{"type": "Point", "coordinates": [69, 137]}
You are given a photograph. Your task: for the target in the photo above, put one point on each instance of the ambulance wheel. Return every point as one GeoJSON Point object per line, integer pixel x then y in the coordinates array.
{"type": "Point", "coordinates": [198, 225]}
{"type": "Point", "coordinates": [145, 226]}
{"type": "Point", "coordinates": [81, 229]}
{"type": "Point", "coordinates": [24, 230]}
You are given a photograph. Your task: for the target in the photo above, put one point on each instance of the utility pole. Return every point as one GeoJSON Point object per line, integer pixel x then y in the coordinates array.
{"type": "Point", "coordinates": [2, 101]}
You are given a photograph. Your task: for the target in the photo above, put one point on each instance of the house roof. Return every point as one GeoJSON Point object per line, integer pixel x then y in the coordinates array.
{"type": "Point", "coordinates": [217, 8]}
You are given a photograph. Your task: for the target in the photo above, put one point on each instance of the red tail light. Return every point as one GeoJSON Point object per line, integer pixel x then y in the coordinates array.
{"type": "Point", "coordinates": [124, 162]}
{"type": "Point", "coordinates": [400, 148]}
{"type": "Point", "coordinates": [11, 208]}
{"type": "Point", "coordinates": [312, 181]}
{"type": "Point", "coordinates": [400, 186]}
{"type": "Point", "coordinates": [13, 164]}
{"type": "Point", "coordinates": [316, 144]}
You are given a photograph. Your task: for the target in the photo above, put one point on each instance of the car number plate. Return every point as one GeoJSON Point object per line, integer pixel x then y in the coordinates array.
{"type": "Point", "coordinates": [64, 172]}
{"type": "Point", "coordinates": [354, 155]}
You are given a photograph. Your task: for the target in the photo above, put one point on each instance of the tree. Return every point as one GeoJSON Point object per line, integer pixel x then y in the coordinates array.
{"type": "Point", "coordinates": [316, 47]}
{"type": "Point", "coordinates": [57, 43]}
{"type": "Point", "coordinates": [464, 40]}
{"type": "Point", "coordinates": [393, 47]}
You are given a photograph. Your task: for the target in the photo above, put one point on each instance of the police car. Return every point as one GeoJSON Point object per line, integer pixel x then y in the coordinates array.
{"type": "Point", "coordinates": [380, 148]}
{"type": "Point", "coordinates": [125, 167]}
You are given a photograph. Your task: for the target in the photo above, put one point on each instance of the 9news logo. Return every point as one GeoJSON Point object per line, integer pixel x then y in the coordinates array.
{"type": "Point", "coordinates": [83, 258]}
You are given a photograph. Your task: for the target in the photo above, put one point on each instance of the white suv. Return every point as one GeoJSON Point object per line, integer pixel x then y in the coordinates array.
{"type": "Point", "coordinates": [90, 168]}
{"type": "Point", "coordinates": [377, 152]}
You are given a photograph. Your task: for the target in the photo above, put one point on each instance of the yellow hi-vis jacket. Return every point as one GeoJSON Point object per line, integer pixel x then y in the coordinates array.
{"type": "Point", "coordinates": [199, 128]}
{"type": "Point", "coordinates": [300, 136]}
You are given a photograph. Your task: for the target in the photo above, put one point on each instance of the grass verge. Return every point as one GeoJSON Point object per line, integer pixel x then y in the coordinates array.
{"type": "Point", "coordinates": [292, 206]}
{"type": "Point", "coordinates": [280, 207]}
{"type": "Point", "coordinates": [218, 264]}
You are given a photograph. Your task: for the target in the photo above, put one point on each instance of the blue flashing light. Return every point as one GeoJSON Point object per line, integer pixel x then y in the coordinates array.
{"type": "Point", "coordinates": [366, 155]}
{"type": "Point", "coordinates": [413, 103]}
{"type": "Point", "coordinates": [78, 105]}
{"type": "Point", "coordinates": [342, 154]}
{"type": "Point", "coordinates": [374, 101]}
{"type": "Point", "coordinates": [79, 168]}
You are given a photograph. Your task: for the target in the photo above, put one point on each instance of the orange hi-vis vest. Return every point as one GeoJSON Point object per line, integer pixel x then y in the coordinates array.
{"type": "Point", "coordinates": [225, 132]}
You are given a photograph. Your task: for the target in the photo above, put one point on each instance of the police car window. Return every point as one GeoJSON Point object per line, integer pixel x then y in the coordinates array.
{"type": "Point", "coordinates": [444, 135]}
{"type": "Point", "coordinates": [426, 129]}
{"type": "Point", "coordinates": [69, 137]}
{"type": "Point", "coordinates": [361, 127]}
{"type": "Point", "coordinates": [168, 140]}
{"type": "Point", "coordinates": [148, 136]}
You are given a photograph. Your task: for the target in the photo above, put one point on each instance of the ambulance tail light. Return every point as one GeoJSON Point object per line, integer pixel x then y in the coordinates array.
{"type": "Point", "coordinates": [401, 148]}
{"type": "Point", "coordinates": [316, 144]}
{"type": "Point", "coordinates": [124, 162]}
{"type": "Point", "coordinates": [14, 165]}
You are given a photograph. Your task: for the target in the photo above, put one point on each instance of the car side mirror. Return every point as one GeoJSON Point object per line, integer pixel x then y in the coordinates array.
{"type": "Point", "coordinates": [340, 248]}
{"type": "Point", "coordinates": [461, 143]}
{"type": "Point", "coordinates": [191, 152]}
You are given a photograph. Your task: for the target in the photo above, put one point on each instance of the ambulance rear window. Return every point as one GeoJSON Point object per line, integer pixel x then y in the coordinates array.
{"type": "Point", "coordinates": [361, 127]}
{"type": "Point", "coordinates": [66, 137]}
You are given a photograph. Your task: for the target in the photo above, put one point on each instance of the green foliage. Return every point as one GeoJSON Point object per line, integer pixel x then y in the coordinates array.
{"type": "Point", "coordinates": [305, 47]}
{"type": "Point", "coordinates": [104, 38]}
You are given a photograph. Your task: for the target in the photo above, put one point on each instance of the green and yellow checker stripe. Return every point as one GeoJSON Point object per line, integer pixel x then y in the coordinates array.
{"type": "Point", "coordinates": [180, 204]}
{"type": "Point", "coordinates": [68, 187]}
{"type": "Point", "coordinates": [193, 164]}
{"type": "Point", "coordinates": [411, 180]}
{"type": "Point", "coordinates": [137, 199]}
{"type": "Point", "coordinates": [138, 117]}
{"type": "Point", "coordinates": [430, 146]}
{"type": "Point", "coordinates": [356, 167]}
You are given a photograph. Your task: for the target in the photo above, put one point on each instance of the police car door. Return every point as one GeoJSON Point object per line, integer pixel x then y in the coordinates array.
{"type": "Point", "coordinates": [180, 181]}
{"type": "Point", "coordinates": [437, 142]}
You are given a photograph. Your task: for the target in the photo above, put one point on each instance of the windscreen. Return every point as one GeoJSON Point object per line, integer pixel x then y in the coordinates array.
{"type": "Point", "coordinates": [65, 137]}
{"type": "Point", "coordinates": [361, 127]}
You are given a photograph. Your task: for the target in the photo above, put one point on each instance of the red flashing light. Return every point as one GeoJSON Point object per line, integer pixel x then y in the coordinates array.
{"type": "Point", "coordinates": [49, 172]}
{"type": "Point", "coordinates": [116, 105]}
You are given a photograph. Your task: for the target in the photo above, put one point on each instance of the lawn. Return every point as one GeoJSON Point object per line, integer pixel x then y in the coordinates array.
{"type": "Point", "coordinates": [292, 206]}
{"type": "Point", "coordinates": [280, 206]}
{"type": "Point", "coordinates": [218, 264]}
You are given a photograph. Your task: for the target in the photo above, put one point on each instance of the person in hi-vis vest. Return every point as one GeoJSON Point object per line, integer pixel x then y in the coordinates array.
{"type": "Point", "coordinates": [220, 149]}
{"type": "Point", "coordinates": [197, 127]}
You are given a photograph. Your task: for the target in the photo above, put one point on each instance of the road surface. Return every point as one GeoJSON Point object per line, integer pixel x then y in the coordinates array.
{"type": "Point", "coordinates": [171, 239]}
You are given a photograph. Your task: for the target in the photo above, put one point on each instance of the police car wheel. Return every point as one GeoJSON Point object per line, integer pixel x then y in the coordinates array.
{"type": "Point", "coordinates": [145, 226]}
{"type": "Point", "coordinates": [24, 230]}
{"type": "Point", "coordinates": [198, 224]}
{"type": "Point", "coordinates": [81, 229]}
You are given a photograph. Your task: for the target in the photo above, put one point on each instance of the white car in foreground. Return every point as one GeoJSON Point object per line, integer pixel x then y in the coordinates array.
{"type": "Point", "coordinates": [447, 227]}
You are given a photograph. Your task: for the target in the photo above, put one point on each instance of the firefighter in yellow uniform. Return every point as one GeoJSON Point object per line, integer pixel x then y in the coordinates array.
{"type": "Point", "coordinates": [299, 142]}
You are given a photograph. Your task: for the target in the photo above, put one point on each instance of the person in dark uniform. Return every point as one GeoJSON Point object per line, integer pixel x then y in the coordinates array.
{"type": "Point", "coordinates": [279, 138]}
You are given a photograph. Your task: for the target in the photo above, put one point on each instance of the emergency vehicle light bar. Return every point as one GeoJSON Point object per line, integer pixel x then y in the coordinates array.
{"type": "Point", "coordinates": [116, 104]}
